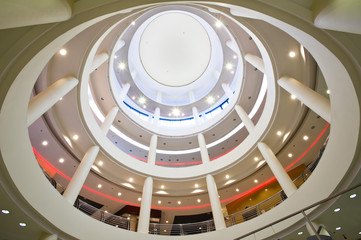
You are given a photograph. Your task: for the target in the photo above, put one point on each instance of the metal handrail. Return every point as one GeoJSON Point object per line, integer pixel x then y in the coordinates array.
{"type": "Point", "coordinates": [181, 229]}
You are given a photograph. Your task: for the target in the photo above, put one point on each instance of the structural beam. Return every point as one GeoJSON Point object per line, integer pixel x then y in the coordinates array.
{"type": "Point", "coordinates": [245, 119]}
{"type": "Point", "coordinates": [99, 59]}
{"type": "Point", "coordinates": [109, 119]}
{"type": "Point", "coordinates": [255, 61]}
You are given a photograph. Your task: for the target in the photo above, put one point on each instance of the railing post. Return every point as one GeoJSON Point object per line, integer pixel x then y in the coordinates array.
{"type": "Point", "coordinates": [181, 230]}
{"type": "Point", "coordinates": [233, 220]}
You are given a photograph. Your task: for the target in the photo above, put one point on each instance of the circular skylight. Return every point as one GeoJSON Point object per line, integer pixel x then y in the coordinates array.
{"type": "Point", "coordinates": [175, 49]}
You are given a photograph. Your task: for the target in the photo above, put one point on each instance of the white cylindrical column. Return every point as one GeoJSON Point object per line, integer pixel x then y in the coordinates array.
{"type": "Point", "coordinates": [42, 102]}
{"type": "Point", "coordinates": [152, 149]}
{"type": "Point", "coordinates": [203, 148]}
{"type": "Point", "coordinates": [196, 115]}
{"type": "Point", "coordinates": [109, 119]}
{"type": "Point", "coordinates": [124, 92]}
{"type": "Point", "coordinates": [47, 236]}
{"type": "Point", "coordinates": [215, 203]}
{"type": "Point", "coordinates": [227, 90]}
{"type": "Point", "coordinates": [245, 119]}
{"type": "Point", "coordinates": [145, 206]}
{"type": "Point", "coordinates": [159, 96]}
{"type": "Point", "coordinates": [255, 61]}
{"type": "Point", "coordinates": [315, 101]}
{"type": "Point", "coordinates": [316, 226]}
{"type": "Point", "coordinates": [81, 173]}
{"type": "Point", "coordinates": [99, 59]}
{"type": "Point", "coordinates": [281, 175]}
{"type": "Point", "coordinates": [191, 97]}
{"type": "Point", "coordinates": [156, 116]}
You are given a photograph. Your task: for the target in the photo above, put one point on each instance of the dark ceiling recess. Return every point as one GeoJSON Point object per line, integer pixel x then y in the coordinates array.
{"type": "Point", "coordinates": [193, 218]}
{"type": "Point", "coordinates": [133, 210]}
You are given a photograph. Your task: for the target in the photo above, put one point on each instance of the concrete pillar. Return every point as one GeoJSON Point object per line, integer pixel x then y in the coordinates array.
{"type": "Point", "coordinates": [245, 119]}
{"type": "Point", "coordinates": [215, 203]}
{"type": "Point", "coordinates": [227, 90]}
{"type": "Point", "coordinates": [281, 175]}
{"type": "Point", "coordinates": [316, 226]}
{"type": "Point", "coordinates": [310, 98]}
{"type": "Point", "coordinates": [203, 148]}
{"type": "Point", "coordinates": [98, 60]}
{"type": "Point", "coordinates": [145, 206]}
{"type": "Point", "coordinates": [156, 116]}
{"type": "Point", "coordinates": [109, 119]}
{"type": "Point", "coordinates": [255, 61]}
{"type": "Point", "coordinates": [124, 92]}
{"type": "Point", "coordinates": [47, 236]}
{"type": "Point", "coordinates": [196, 115]}
{"type": "Point", "coordinates": [191, 97]}
{"type": "Point", "coordinates": [152, 149]}
{"type": "Point", "coordinates": [72, 190]}
{"type": "Point", "coordinates": [42, 102]}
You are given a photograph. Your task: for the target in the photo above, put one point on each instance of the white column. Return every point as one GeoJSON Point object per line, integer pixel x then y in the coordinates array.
{"type": "Point", "coordinates": [310, 98]}
{"type": "Point", "coordinates": [81, 173]}
{"type": "Point", "coordinates": [109, 119]}
{"type": "Point", "coordinates": [227, 90]}
{"type": "Point", "coordinates": [98, 60]}
{"type": "Point", "coordinates": [245, 119]}
{"type": "Point", "coordinates": [255, 61]}
{"type": "Point", "coordinates": [196, 115]}
{"type": "Point", "coordinates": [156, 116]}
{"type": "Point", "coordinates": [152, 149]}
{"type": "Point", "coordinates": [159, 96]}
{"type": "Point", "coordinates": [42, 102]}
{"type": "Point", "coordinates": [203, 148]}
{"type": "Point", "coordinates": [191, 97]}
{"type": "Point", "coordinates": [145, 206]}
{"type": "Point", "coordinates": [124, 92]}
{"type": "Point", "coordinates": [47, 236]}
{"type": "Point", "coordinates": [316, 226]}
{"type": "Point", "coordinates": [215, 203]}
{"type": "Point", "coordinates": [281, 175]}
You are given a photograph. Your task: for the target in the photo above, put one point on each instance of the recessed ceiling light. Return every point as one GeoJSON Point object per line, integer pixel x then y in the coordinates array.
{"type": "Point", "coordinates": [337, 209]}
{"type": "Point", "coordinates": [133, 23]}
{"type": "Point", "coordinates": [75, 137]}
{"type": "Point", "coordinates": [139, 199]}
{"type": "Point", "coordinates": [176, 112]}
{"type": "Point", "coordinates": [229, 66]}
{"type": "Point", "coordinates": [260, 163]}
{"type": "Point", "coordinates": [144, 106]}
{"type": "Point", "coordinates": [256, 158]}
{"type": "Point", "coordinates": [198, 200]}
{"type": "Point", "coordinates": [165, 230]}
{"type": "Point", "coordinates": [166, 221]}
{"type": "Point", "coordinates": [359, 233]}
{"type": "Point", "coordinates": [119, 194]}
{"type": "Point", "coordinates": [237, 190]}
{"type": "Point", "coordinates": [266, 189]}
{"type": "Point", "coordinates": [99, 186]}
{"type": "Point", "coordinates": [63, 51]}
{"type": "Point", "coordinates": [122, 65]}
{"type": "Point", "coordinates": [292, 54]}
{"type": "Point", "coordinates": [115, 56]}
{"type": "Point", "coordinates": [232, 72]}
{"type": "Point", "coordinates": [159, 202]}
{"type": "Point", "coordinates": [45, 143]}
{"type": "Point", "coordinates": [161, 192]}
{"type": "Point", "coordinates": [130, 179]}
{"type": "Point", "coordinates": [300, 233]}
{"type": "Point", "coordinates": [293, 97]}
{"type": "Point", "coordinates": [255, 181]}
{"type": "Point", "coordinates": [279, 133]}
{"type": "Point", "coordinates": [60, 98]}
{"type": "Point", "coordinates": [100, 163]}
{"type": "Point", "coordinates": [234, 56]}
{"type": "Point", "coordinates": [227, 176]}
{"type": "Point", "coordinates": [196, 185]}
{"type": "Point", "coordinates": [4, 211]}
{"type": "Point", "coordinates": [61, 160]}
{"type": "Point", "coordinates": [290, 155]}
{"type": "Point", "coordinates": [219, 24]}
{"type": "Point", "coordinates": [128, 185]}
{"type": "Point", "coordinates": [179, 202]}
{"type": "Point", "coordinates": [198, 191]}
{"type": "Point", "coordinates": [353, 195]}
{"type": "Point", "coordinates": [162, 187]}
{"type": "Point", "coordinates": [128, 218]}
{"type": "Point", "coordinates": [142, 100]}
{"type": "Point", "coordinates": [133, 97]}
{"type": "Point", "coordinates": [210, 100]}
{"type": "Point", "coordinates": [229, 181]}
{"type": "Point", "coordinates": [338, 228]}
{"type": "Point", "coordinates": [328, 91]}
{"type": "Point", "coordinates": [305, 137]}
{"type": "Point", "coordinates": [22, 224]}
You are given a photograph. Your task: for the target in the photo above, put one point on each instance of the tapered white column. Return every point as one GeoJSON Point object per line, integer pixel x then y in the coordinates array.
{"type": "Point", "coordinates": [281, 175]}
{"type": "Point", "coordinates": [145, 206]}
{"type": "Point", "coordinates": [315, 101]}
{"type": "Point", "coordinates": [159, 96]}
{"type": "Point", "coordinates": [81, 173]}
{"type": "Point", "coordinates": [203, 148]}
{"type": "Point", "coordinates": [255, 61]}
{"type": "Point", "coordinates": [316, 226]}
{"type": "Point", "coordinates": [152, 149]}
{"type": "Point", "coordinates": [42, 102]}
{"type": "Point", "coordinates": [191, 96]}
{"type": "Point", "coordinates": [99, 59]}
{"type": "Point", "coordinates": [196, 115]}
{"type": "Point", "coordinates": [109, 119]}
{"type": "Point", "coordinates": [156, 116]}
{"type": "Point", "coordinates": [245, 119]}
{"type": "Point", "coordinates": [124, 92]}
{"type": "Point", "coordinates": [227, 90]}
{"type": "Point", "coordinates": [215, 203]}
